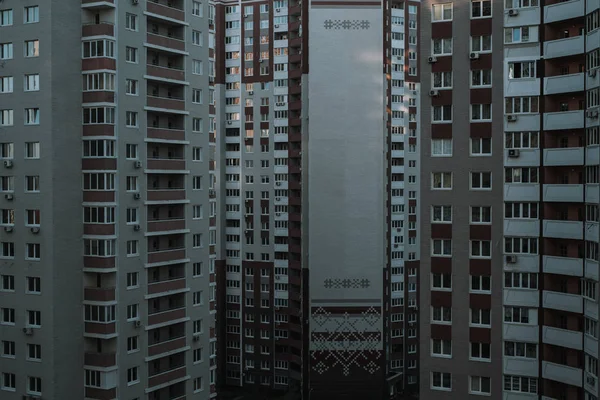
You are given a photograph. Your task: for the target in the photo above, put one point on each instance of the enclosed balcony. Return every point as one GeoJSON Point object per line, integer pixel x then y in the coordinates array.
{"type": "Point", "coordinates": [564, 112]}
{"type": "Point", "coordinates": [562, 373]}
{"type": "Point", "coordinates": [97, 4]}
{"type": "Point", "coordinates": [562, 301]}
{"type": "Point", "coordinates": [562, 337]}
{"type": "Point", "coordinates": [564, 83]}
{"type": "Point", "coordinates": [165, 66]}
{"type": "Point", "coordinates": [556, 11]}
{"type": "Point", "coordinates": [564, 38]}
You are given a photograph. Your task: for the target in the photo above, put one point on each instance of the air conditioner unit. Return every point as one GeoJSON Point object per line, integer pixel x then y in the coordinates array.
{"type": "Point", "coordinates": [28, 331]}
{"type": "Point", "coordinates": [278, 214]}
{"type": "Point", "coordinates": [592, 73]}
{"type": "Point", "coordinates": [432, 59]}
{"type": "Point", "coordinates": [9, 196]}
{"type": "Point", "coordinates": [398, 229]}
{"type": "Point", "coordinates": [229, 122]}
{"type": "Point", "coordinates": [8, 229]}
{"type": "Point", "coordinates": [277, 198]}
{"type": "Point", "coordinates": [196, 338]}
{"type": "Point", "coordinates": [136, 228]}
{"type": "Point", "coordinates": [511, 259]}
{"type": "Point", "coordinates": [276, 184]}
{"type": "Point", "coordinates": [399, 58]}
{"type": "Point", "coordinates": [513, 13]}
{"type": "Point", "coordinates": [278, 10]}
{"type": "Point", "coordinates": [592, 114]}
{"type": "Point", "coordinates": [137, 323]}
{"type": "Point", "coordinates": [513, 153]}
{"type": "Point", "coordinates": [434, 93]}
{"type": "Point", "coordinates": [135, 2]}
{"type": "Point", "coordinates": [8, 163]}
{"type": "Point", "coordinates": [276, 308]}
{"type": "Point", "coordinates": [590, 380]}
{"type": "Point", "coordinates": [35, 230]}
{"type": "Point", "coordinates": [474, 56]}
{"type": "Point", "coordinates": [212, 192]}
{"type": "Point", "coordinates": [277, 277]}
{"type": "Point", "coordinates": [137, 164]}
{"type": "Point", "coordinates": [137, 196]}
{"type": "Point", "coordinates": [248, 231]}
{"type": "Point", "coordinates": [250, 92]}
{"type": "Point", "coordinates": [246, 15]}
{"type": "Point", "coordinates": [276, 26]}
{"type": "Point", "coordinates": [511, 118]}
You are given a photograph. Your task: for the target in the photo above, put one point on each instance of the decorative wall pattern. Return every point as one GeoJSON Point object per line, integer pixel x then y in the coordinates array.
{"type": "Point", "coordinates": [346, 283]}
{"type": "Point", "coordinates": [349, 24]}
{"type": "Point", "coordinates": [345, 341]}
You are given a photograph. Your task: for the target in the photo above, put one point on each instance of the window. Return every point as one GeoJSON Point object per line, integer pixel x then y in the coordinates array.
{"type": "Point", "coordinates": [481, 77]}
{"type": "Point", "coordinates": [441, 180]}
{"type": "Point", "coordinates": [34, 385]}
{"type": "Point", "coordinates": [442, 80]}
{"type": "Point", "coordinates": [197, 9]}
{"type": "Point", "coordinates": [516, 35]}
{"type": "Point", "coordinates": [7, 216]}
{"type": "Point", "coordinates": [6, 17]}
{"type": "Point", "coordinates": [99, 48]}
{"type": "Point", "coordinates": [6, 51]}
{"type": "Point", "coordinates": [132, 184]}
{"type": "Point", "coordinates": [132, 216]}
{"type": "Point", "coordinates": [521, 140]}
{"type": "Point", "coordinates": [8, 381]}
{"type": "Point", "coordinates": [32, 116]}
{"type": "Point", "coordinates": [34, 352]}
{"type": "Point", "coordinates": [441, 147]}
{"type": "Point", "coordinates": [197, 38]}
{"type": "Point", "coordinates": [520, 384]}
{"type": "Point", "coordinates": [98, 115]}
{"type": "Point", "coordinates": [132, 312]}
{"type": "Point", "coordinates": [441, 281]}
{"type": "Point", "coordinates": [481, 44]}
{"type": "Point", "coordinates": [442, 114]}
{"type": "Point", "coordinates": [8, 316]}
{"type": "Point", "coordinates": [481, 9]}
{"type": "Point", "coordinates": [197, 67]}
{"type": "Point", "coordinates": [441, 348]}
{"type": "Point", "coordinates": [520, 280]}
{"type": "Point", "coordinates": [34, 285]}
{"type": "Point", "coordinates": [31, 15]}
{"type": "Point", "coordinates": [441, 247]}
{"type": "Point", "coordinates": [197, 268]}
{"type": "Point", "coordinates": [521, 175]}
{"type": "Point", "coordinates": [32, 251]}
{"type": "Point", "coordinates": [480, 385]}
{"type": "Point", "coordinates": [481, 112]}
{"type": "Point", "coordinates": [32, 48]}
{"type": "Point", "coordinates": [441, 381]}
{"type": "Point", "coordinates": [521, 69]}
{"type": "Point", "coordinates": [7, 250]}
{"type": "Point", "coordinates": [197, 240]}
{"type": "Point", "coordinates": [34, 318]}
{"type": "Point", "coordinates": [197, 183]}
{"type": "Point", "coordinates": [132, 248]}
{"type": "Point", "coordinates": [6, 117]}
{"type": "Point", "coordinates": [481, 284]}
{"type": "Point", "coordinates": [131, 87]}
{"type": "Point", "coordinates": [8, 283]}
{"type": "Point", "coordinates": [133, 376]}
{"type": "Point", "coordinates": [520, 3]}
{"type": "Point", "coordinates": [441, 214]}
{"type": "Point", "coordinates": [198, 384]}
{"type": "Point", "coordinates": [32, 217]}
{"type": "Point", "coordinates": [591, 327]}
{"type": "Point", "coordinates": [131, 54]}
{"type": "Point", "coordinates": [481, 249]}
{"type": "Point", "coordinates": [481, 180]}
{"type": "Point", "coordinates": [481, 146]}
{"type": "Point", "coordinates": [441, 315]}
{"type": "Point", "coordinates": [442, 47]}
{"type": "Point", "coordinates": [31, 82]}
{"type": "Point", "coordinates": [8, 349]}
{"type": "Point", "coordinates": [520, 349]}
{"type": "Point", "coordinates": [131, 22]}
{"type": "Point", "coordinates": [480, 317]}
{"type": "Point", "coordinates": [588, 289]}
{"type": "Point", "coordinates": [480, 351]}
{"type": "Point", "coordinates": [441, 12]}
{"type": "Point", "coordinates": [198, 298]}
{"type": "Point", "coordinates": [131, 119]}
{"type": "Point", "coordinates": [6, 84]}
{"type": "Point", "coordinates": [133, 344]}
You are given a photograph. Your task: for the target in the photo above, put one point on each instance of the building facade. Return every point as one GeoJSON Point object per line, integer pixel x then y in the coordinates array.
{"type": "Point", "coordinates": [108, 224]}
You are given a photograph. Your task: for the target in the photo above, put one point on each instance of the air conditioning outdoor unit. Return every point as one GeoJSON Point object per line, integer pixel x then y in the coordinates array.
{"type": "Point", "coordinates": [434, 93]}
{"type": "Point", "coordinates": [513, 153]}
{"type": "Point", "coordinates": [137, 196]}
{"type": "Point", "coordinates": [137, 323]}
{"type": "Point", "coordinates": [511, 118]}
{"type": "Point", "coordinates": [513, 13]}
{"type": "Point", "coordinates": [432, 59]}
{"type": "Point", "coordinates": [28, 331]}
{"type": "Point", "coordinates": [511, 259]}
{"type": "Point", "coordinates": [136, 228]}
{"type": "Point", "coordinates": [592, 114]}
{"type": "Point", "coordinates": [135, 2]}
{"type": "Point", "coordinates": [250, 92]}
{"type": "Point", "coordinates": [8, 229]}
{"type": "Point", "coordinates": [35, 230]}
{"type": "Point", "coordinates": [137, 164]}
{"type": "Point", "coordinates": [196, 338]}
{"type": "Point", "coordinates": [474, 56]}
{"type": "Point", "coordinates": [8, 163]}
{"type": "Point", "coordinates": [592, 73]}
{"type": "Point", "coordinates": [9, 196]}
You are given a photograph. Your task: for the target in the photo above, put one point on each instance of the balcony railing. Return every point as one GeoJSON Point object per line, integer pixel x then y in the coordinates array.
{"type": "Point", "coordinates": [165, 41]}
{"type": "Point", "coordinates": [154, 7]}
{"type": "Point", "coordinates": [166, 255]}
{"type": "Point", "coordinates": [93, 29]}
{"type": "Point", "coordinates": [165, 72]}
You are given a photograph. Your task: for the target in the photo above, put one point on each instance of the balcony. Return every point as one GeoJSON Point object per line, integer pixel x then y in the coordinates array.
{"type": "Point", "coordinates": [97, 4]}
{"type": "Point", "coordinates": [167, 164]}
{"type": "Point", "coordinates": [592, 155]}
{"type": "Point", "coordinates": [166, 225]}
{"type": "Point", "coordinates": [563, 229]}
{"type": "Point", "coordinates": [165, 287]}
{"type": "Point", "coordinates": [166, 134]}
{"type": "Point", "coordinates": [99, 294]}
{"type": "Point", "coordinates": [562, 373]}
{"type": "Point", "coordinates": [99, 329]}
{"type": "Point", "coordinates": [166, 316]}
{"type": "Point", "coordinates": [164, 347]}
{"type": "Point", "coordinates": [526, 158]}
{"type": "Point", "coordinates": [162, 10]}
{"type": "Point", "coordinates": [522, 332]}
{"type": "Point", "coordinates": [522, 227]}
{"type": "Point", "coordinates": [175, 194]}
{"type": "Point", "coordinates": [165, 72]}
{"type": "Point", "coordinates": [165, 377]}
{"type": "Point", "coordinates": [563, 156]}
{"type": "Point", "coordinates": [562, 301]}
{"type": "Point", "coordinates": [520, 366]}
{"type": "Point", "coordinates": [521, 192]}
{"type": "Point", "coordinates": [101, 29]}
{"type": "Point", "coordinates": [166, 42]}
{"type": "Point", "coordinates": [525, 17]}
{"type": "Point", "coordinates": [99, 263]}
{"type": "Point", "coordinates": [562, 337]}
{"type": "Point", "coordinates": [168, 255]}
{"type": "Point", "coordinates": [524, 122]}
{"type": "Point", "coordinates": [563, 265]}
{"type": "Point", "coordinates": [102, 360]}
{"type": "Point", "coordinates": [166, 103]}
{"type": "Point", "coordinates": [563, 193]}
{"type": "Point", "coordinates": [563, 120]}
{"type": "Point", "coordinates": [521, 297]}
{"type": "Point", "coordinates": [592, 193]}
{"type": "Point", "coordinates": [101, 394]}
{"type": "Point", "coordinates": [563, 11]}
{"type": "Point", "coordinates": [564, 47]}
{"type": "Point", "coordinates": [564, 83]}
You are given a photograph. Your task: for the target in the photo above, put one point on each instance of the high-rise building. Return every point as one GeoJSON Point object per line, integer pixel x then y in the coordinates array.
{"type": "Point", "coordinates": [107, 239]}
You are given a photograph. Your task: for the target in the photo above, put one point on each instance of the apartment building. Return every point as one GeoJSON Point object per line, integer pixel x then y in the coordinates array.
{"type": "Point", "coordinates": [108, 223]}
{"type": "Point", "coordinates": [316, 102]}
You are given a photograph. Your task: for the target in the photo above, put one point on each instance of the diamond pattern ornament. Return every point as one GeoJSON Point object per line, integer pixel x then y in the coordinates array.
{"type": "Point", "coordinates": [346, 24]}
